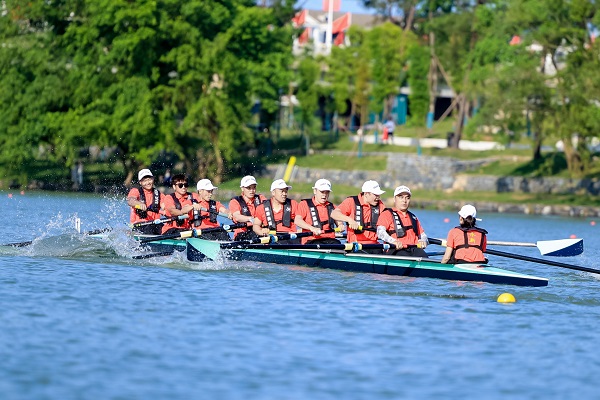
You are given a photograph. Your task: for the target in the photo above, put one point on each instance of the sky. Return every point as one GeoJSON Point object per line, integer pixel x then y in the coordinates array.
{"type": "Point", "coordinates": [354, 6]}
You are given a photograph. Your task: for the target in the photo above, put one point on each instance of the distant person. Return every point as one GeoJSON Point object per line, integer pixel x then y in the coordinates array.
{"type": "Point", "coordinates": [360, 213]}
{"type": "Point", "coordinates": [243, 207]}
{"type": "Point", "coordinates": [466, 243]}
{"type": "Point", "coordinates": [402, 228]}
{"type": "Point", "coordinates": [167, 178]}
{"type": "Point", "coordinates": [391, 127]}
{"type": "Point", "coordinates": [209, 218]}
{"type": "Point", "coordinates": [181, 202]}
{"type": "Point", "coordinates": [277, 213]}
{"type": "Point", "coordinates": [385, 135]}
{"type": "Point", "coordinates": [314, 215]}
{"type": "Point", "coordinates": [146, 203]}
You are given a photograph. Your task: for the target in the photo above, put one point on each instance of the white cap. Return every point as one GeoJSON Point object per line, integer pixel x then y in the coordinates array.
{"type": "Point", "coordinates": [468, 211]}
{"type": "Point", "coordinates": [247, 181]}
{"type": "Point", "coordinates": [322, 185]}
{"type": "Point", "coordinates": [144, 173]}
{"type": "Point", "coordinates": [372, 187]}
{"type": "Point", "coordinates": [402, 189]}
{"type": "Point", "coordinates": [205, 184]}
{"type": "Point", "coordinates": [279, 184]}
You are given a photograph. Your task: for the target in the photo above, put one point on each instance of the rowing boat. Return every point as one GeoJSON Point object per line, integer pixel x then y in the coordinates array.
{"type": "Point", "coordinates": [203, 250]}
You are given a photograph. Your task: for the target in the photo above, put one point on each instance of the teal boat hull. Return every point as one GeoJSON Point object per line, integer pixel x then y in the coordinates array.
{"type": "Point", "coordinates": [203, 250]}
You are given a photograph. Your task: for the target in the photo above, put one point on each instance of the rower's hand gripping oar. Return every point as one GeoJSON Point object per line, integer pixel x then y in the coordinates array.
{"type": "Point", "coordinates": [525, 258]}
{"type": "Point", "coordinates": [159, 221]}
{"type": "Point", "coordinates": [193, 233]}
{"type": "Point", "coordinates": [220, 214]}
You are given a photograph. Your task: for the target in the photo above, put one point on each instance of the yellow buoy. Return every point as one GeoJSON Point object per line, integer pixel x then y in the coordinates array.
{"type": "Point", "coordinates": [506, 298]}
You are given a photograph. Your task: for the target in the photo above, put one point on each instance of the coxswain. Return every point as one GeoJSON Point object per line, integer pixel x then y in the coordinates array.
{"type": "Point", "coordinates": [146, 203]}
{"type": "Point", "coordinates": [181, 202]}
{"type": "Point", "coordinates": [361, 214]}
{"type": "Point", "coordinates": [277, 213]}
{"type": "Point", "coordinates": [466, 243]}
{"type": "Point", "coordinates": [243, 207]}
{"type": "Point", "coordinates": [210, 209]}
{"type": "Point", "coordinates": [401, 228]}
{"type": "Point", "coordinates": [314, 215]}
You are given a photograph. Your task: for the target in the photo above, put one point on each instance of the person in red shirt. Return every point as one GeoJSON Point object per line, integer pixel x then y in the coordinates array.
{"type": "Point", "coordinates": [402, 228]}
{"type": "Point", "coordinates": [466, 243]}
{"type": "Point", "coordinates": [278, 213]}
{"type": "Point", "coordinates": [243, 207]}
{"type": "Point", "coordinates": [181, 202]}
{"type": "Point", "coordinates": [209, 218]}
{"type": "Point", "coordinates": [362, 212]}
{"type": "Point", "coordinates": [316, 213]}
{"type": "Point", "coordinates": [146, 203]}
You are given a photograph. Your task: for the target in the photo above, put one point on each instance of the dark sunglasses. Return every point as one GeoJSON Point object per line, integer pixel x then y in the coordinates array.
{"type": "Point", "coordinates": [181, 185]}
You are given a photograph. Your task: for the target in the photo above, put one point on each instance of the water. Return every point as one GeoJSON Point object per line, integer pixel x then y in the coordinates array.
{"type": "Point", "coordinates": [80, 319]}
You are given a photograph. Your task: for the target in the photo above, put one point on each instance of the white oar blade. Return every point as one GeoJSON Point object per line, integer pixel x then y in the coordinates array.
{"type": "Point", "coordinates": [561, 248]}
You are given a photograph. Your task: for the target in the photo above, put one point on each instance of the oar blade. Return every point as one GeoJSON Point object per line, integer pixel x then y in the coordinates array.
{"type": "Point", "coordinates": [560, 248]}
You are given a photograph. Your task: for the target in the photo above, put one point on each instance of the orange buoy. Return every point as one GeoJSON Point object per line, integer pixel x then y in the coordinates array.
{"type": "Point", "coordinates": [446, 220]}
{"type": "Point", "coordinates": [10, 195]}
{"type": "Point", "coordinates": [593, 223]}
{"type": "Point", "coordinates": [573, 236]}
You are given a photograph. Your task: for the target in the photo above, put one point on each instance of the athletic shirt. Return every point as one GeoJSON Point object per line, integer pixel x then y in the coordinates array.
{"type": "Point", "coordinates": [366, 216]}
{"type": "Point", "coordinates": [395, 223]}
{"type": "Point", "coordinates": [238, 203]}
{"type": "Point", "coordinates": [174, 201]}
{"type": "Point", "coordinates": [209, 219]}
{"type": "Point", "coordinates": [317, 215]}
{"type": "Point", "coordinates": [282, 220]}
{"type": "Point", "coordinates": [468, 244]}
{"type": "Point", "coordinates": [152, 199]}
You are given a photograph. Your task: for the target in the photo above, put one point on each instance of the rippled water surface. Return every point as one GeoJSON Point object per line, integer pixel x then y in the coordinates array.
{"type": "Point", "coordinates": [81, 319]}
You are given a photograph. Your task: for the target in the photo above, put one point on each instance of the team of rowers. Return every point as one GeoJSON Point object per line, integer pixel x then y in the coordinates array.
{"type": "Point", "coordinates": [367, 220]}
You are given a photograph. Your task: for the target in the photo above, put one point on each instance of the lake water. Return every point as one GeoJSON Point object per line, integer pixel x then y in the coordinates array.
{"type": "Point", "coordinates": [80, 319]}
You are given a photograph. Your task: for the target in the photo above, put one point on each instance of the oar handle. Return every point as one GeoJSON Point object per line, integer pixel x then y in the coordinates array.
{"type": "Point", "coordinates": [159, 221]}
{"type": "Point", "coordinates": [215, 212]}
{"type": "Point", "coordinates": [193, 233]}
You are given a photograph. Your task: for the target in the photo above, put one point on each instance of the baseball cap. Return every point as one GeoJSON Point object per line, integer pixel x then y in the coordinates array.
{"type": "Point", "coordinates": [279, 184]}
{"type": "Point", "coordinates": [402, 189]}
{"type": "Point", "coordinates": [322, 185]}
{"type": "Point", "coordinates": [205, 184]}
{"type": "Point", "coordinates": [247, 181]}
{"type": "Point", "coordinates": [372, 187]}
{"type": "Point", "coordinates": [468, 211]}
{"type": "Point", "coordinates": [144, 173]}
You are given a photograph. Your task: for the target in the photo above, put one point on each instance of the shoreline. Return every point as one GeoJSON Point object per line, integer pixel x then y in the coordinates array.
{"type": "Point", "coordinates": [441, 205]}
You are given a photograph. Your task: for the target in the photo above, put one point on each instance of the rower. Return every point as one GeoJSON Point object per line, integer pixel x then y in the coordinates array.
{"type": "Point", "coordinates": [146, 203]}
{"type": "Point", "coordinates": [277, 213]}
{"type": "Point", "coordinates": [314, 215]}
{"type": "Point", "coordinates": [466, 242]}
{"type": "Point", "coordinates": [213, 208]}
{"type": "Point", "coordinates": [402, 228]}
{"type": "Point", "coordinates": [181, 202]}
{"type": "Point", "coordinates": [243, 207]}
{"type": "Point", "coordinates": [360, 213]}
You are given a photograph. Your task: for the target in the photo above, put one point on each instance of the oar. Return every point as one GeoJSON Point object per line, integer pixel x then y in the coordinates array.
{"type": "Point", "coordinates": [525, 258]}
{"type": "Point", "coordinates": [353, 247]}
{"type": "Point", "coordinates": [152, 255]}
{"type": "Point", "coordinates": [193, 233]}
{"type": "Point", "coordinates": [214, 212]}
{"type": "Point", "coordinates": [159, 221]}
{"type": "Point", "coordinates": [27, 243]}
{"type": "Point", "coordinates": [272, 238]}
{"type": "Point", "coordinates": [556, 248]}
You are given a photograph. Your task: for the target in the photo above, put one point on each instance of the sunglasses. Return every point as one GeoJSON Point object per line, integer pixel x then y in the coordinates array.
{"type": "Point", "coordinates": [181, 185]}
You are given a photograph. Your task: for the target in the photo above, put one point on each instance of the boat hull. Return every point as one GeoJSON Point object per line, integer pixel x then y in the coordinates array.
{"type": "Point", "coordinates": [201, 250]}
